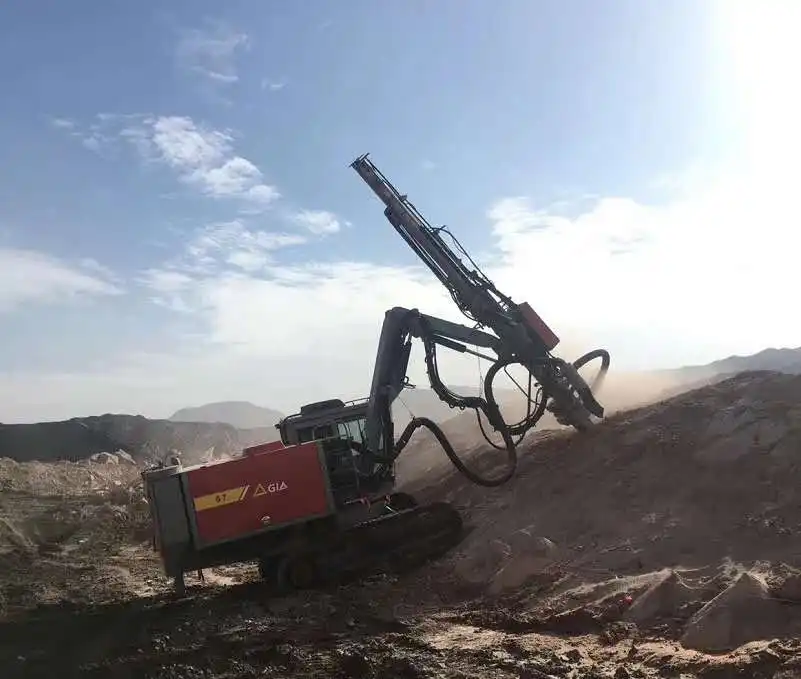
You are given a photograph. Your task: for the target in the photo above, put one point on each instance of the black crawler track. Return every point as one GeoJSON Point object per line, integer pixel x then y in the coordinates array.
{"type": "Point", "coordinates": [392, 543]}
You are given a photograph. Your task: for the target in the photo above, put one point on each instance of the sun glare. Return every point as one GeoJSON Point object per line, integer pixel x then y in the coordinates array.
{"type": "Point", "coordinates": [761, 58]}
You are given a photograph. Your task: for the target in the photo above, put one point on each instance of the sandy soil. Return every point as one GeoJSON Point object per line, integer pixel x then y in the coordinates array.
{"type": "Point", "coordinates": [658, 545]}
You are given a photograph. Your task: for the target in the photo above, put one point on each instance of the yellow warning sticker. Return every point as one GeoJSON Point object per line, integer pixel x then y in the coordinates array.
{"type": "Point", "coordinates": [224, 497]}
{"type": "Point", "coordinates": [259, 491]}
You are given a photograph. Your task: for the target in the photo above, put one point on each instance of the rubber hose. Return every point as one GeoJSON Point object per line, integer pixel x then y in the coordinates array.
{"type": "Point", "coordinates": [603, 354]}
{"type": "Point", "coordinates": [479, 480]}
{"type": "Point", "coordinates": [524, 425]}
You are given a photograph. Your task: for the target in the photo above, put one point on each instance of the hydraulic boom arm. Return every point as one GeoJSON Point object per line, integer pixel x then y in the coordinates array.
{"type": "Point", "coordinates": [389, 379]}
{"type": "Point", "coordinates": [521, 336]}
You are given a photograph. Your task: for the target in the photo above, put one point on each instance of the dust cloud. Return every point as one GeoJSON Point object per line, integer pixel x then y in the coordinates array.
{"type": "Point", "coordinates": [624, 391]}
{"type": "Point", "coordinates": [618, 391]}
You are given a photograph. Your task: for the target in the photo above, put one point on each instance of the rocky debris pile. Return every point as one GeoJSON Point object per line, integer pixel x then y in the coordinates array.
{"type": "Point", "coordinates": [63, 526]}
{"type": "Point", "coordinates": [43, 505]}
{"type": "Point", "coordinates": [117, 457]}
{"type": "Point", "coordinates": [744, 611]}
{"type": "Point", "coordinates": [143, 439]}
{"type": "Point", "coordinates": [108, 474]}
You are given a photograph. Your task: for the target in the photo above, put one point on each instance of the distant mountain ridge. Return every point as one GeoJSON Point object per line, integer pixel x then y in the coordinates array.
{"type": "Point", "coordinates": [246, 415]}
{"type": "Point", "coordinates": [785, 360]}
{"type": "Point", "coordinates": [210, 430]}
{"type": "Point", "coordinates": [144, 439]}
{"type": "Point", "coordinates": [197, 440]}
{"type": "Point", "coordinates": [239, 414]}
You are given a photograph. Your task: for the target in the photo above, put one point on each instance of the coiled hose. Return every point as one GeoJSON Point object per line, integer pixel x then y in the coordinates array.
{"type": "Point", "coordinates": [492, 412]}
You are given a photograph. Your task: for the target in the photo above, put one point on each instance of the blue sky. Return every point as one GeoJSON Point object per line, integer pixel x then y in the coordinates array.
{"type": "Point", "coordinates": [178, 222]}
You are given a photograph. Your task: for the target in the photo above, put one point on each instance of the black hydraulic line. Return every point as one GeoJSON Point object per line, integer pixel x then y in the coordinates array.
{"type": "Point", "coordinates": [423, 329]}
{"type": "Point", "coordinates": [486, 437]}
{"type": "Point", "coordinates": [491, 411]}
{"type": "Point", "coordinates": [532, 418]}
{"type": "Point", "coordinates": [603, 354]}
{"type": "Point", "coordinates": [521, 428]}
{"type": "Point", "coordinates": [434, 428]}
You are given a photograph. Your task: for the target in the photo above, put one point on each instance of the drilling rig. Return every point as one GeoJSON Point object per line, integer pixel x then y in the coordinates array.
{"type": "Point", "coordinates": [320, 504]}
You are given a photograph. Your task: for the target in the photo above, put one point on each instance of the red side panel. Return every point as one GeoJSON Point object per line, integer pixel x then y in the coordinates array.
{"type": "Point", "coordinates": [533, 320]}
{"type": "Point", "coordinates": [243, 496]}
{"type": "Point", "coordinates": [264, 448]}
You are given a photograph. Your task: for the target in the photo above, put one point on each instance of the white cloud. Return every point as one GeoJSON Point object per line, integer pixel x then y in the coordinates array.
{"type": "Point", "coordinates": [692, 270]}
{"type": "Point", "coordinates": [272, 85]}
{"type": "Point", "coordinates": [703, 275]}
{"type": "Point", "coordinates": [686, 281]}
{"type": "Point", "coordinates": [184, 145]}
{"type": "Point", "coordinates": [212, 51]}
{"type": "Point", "coordinates": [233, 241]}
{"type": "Point", "coordinates": [318, 221]}
{"type": "Point", "coordinates": [28, 277]}
{"type": "Point", "coordinates": [166, 280]}
{"type": "Point", "coordinates": [93, 137]}
{"type": "Point", "coordinates": [215, 251]}
{"type": "Point", "coordinates": [202, 157]}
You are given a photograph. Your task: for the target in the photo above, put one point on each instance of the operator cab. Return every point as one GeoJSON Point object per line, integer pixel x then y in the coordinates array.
{"type": "Point", "coordinates": [324, 420]}
{"type": "Point", "coordinates": [340, 429]}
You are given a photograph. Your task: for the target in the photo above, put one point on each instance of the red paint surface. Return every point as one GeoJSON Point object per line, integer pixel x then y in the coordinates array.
{"type": "Point", "coordinates": [264, 448]}
{"type": "Point", "coordinates": [305, 495]}
{"type": "Point", "coordinates": [535, 322]}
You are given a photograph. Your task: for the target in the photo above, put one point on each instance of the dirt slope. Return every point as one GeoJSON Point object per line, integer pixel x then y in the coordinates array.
{"type": "Point", "coordinates": [698, 488]}
{"type": "Point", "coordinates": [699, 470]}
{"type": "Point", "coordinates": [424, 458]}
{"type": "Point", "coordinates": [660, 544]}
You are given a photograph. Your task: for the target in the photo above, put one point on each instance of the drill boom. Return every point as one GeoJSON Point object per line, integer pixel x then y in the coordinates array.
{"type": "Point", "coordinates": [469, 288]}
{"type": "Point", "coordinates": [520, 336]}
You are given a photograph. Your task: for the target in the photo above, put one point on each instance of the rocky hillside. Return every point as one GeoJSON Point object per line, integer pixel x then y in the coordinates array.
{"type": "Point", "coordinates": [692, 496]}
{"type": "Point", "coordinates": [146, 439]}
{"type": "Point", "coordinates": [659, 544]}
{"type": "Point", "coordinates": [142, 438]}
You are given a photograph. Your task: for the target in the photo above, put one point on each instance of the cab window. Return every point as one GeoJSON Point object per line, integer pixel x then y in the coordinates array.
{"type": "Point", "coordinates": [353, 429]}
{"type": "Point", "coordinates": [324, 431]}
{"type": "Point", "coordinates": [314, 433]}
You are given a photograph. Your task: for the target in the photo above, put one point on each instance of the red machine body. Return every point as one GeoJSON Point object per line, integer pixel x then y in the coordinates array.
{"type": "Point", "coordinates": [264, 447]}
{"type": "Point", "coordinates": [234, 499]}
{"type": "Point", "coordinates": [240, 509]}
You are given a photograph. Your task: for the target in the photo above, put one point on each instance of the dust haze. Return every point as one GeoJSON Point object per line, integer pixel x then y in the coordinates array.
{"type": "Point", "coordinates": [619, 391]}
{"type": "Point", "coordinates": [624, 391]}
